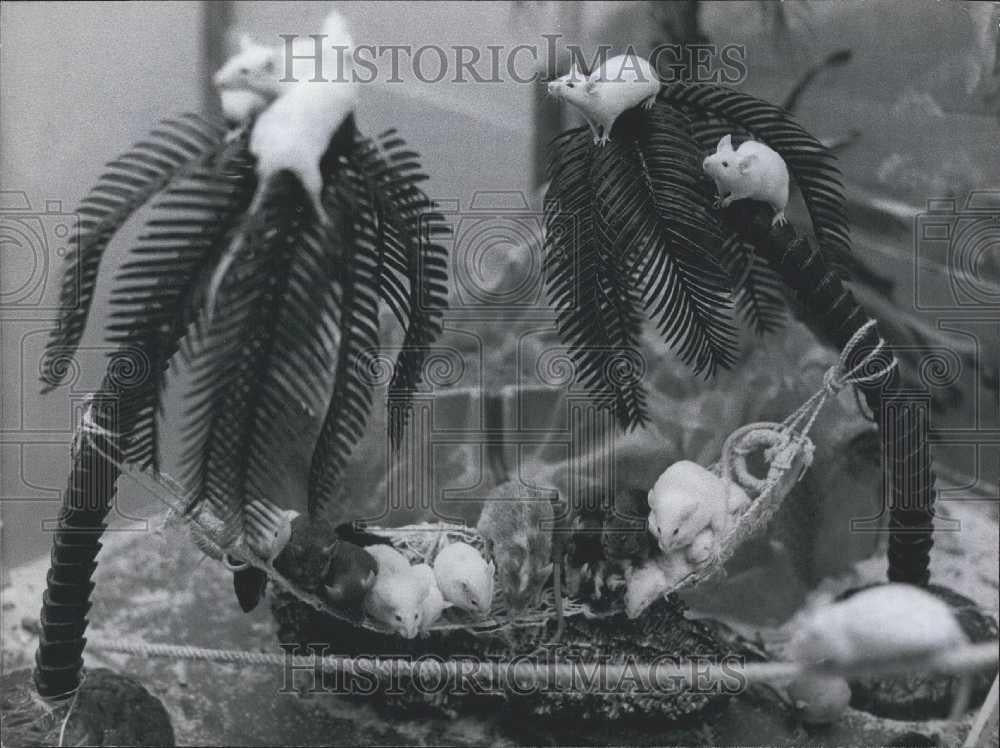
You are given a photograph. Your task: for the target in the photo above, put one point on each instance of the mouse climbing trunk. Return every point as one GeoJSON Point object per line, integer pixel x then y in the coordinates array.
{"type": "Point", "coordinates": [75, 544]}
{"type": "Point", "coordinates": [834, 315]}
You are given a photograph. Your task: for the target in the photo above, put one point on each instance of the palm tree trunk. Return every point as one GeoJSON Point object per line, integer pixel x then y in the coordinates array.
{"type": "Point", "coordinates": [834, 315]}
{"type": "Point", "coordinates": [86, 503]}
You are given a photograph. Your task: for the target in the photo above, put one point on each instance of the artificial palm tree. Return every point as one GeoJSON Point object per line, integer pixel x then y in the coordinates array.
{"type": "Point", "coordinates": [297, 309]}
{"type": "Point", "coordinates": [632, 233]}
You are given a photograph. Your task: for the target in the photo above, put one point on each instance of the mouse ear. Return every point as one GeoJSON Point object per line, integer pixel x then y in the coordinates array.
{"type": "Point", "coordinates": [745, 162]}
{"type": "Point", "coordinates": [725, 144]}
{"type": "Point", "coordinates": [590, 86]}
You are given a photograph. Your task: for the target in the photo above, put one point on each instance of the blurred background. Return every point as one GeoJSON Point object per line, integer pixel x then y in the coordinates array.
{"type": "Point", "coordinates": [913, 108]}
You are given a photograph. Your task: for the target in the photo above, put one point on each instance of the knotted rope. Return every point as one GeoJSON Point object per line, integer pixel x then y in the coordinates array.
{"type": "Point", "coordinates": [784, 444]}
{"type": "Point", "coordinates": [210, 533]}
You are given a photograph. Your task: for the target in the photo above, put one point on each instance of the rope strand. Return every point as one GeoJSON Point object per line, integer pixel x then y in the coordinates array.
{"type": "Point", "coordinates": [967, 659]}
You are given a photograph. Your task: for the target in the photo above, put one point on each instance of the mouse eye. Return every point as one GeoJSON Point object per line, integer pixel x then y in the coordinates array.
{"type": "Point", "coordinates": [399, 618]}
{"type": "Point", "coordinates": [677, 531]}
{"type": "Point", "coordinates": [725, 163]}
{"type": "Point", "coordinates": [473, 600]}
{"type": "Point", "coordinates": [570, 85]}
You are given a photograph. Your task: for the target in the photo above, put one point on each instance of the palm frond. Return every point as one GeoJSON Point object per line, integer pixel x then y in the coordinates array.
{"type": "Point", "coordinates": [132, 179]}
{"type": "Point", "coordinates": [760, 295]}
{"type": "Point", "coordinates": [593, 292]}
{"type": "Point", "coordinates": [156, 293]}
{"type": "Point", "coordinates": [358, 277]}
{"type": "Point", "coordinates": [688, 291]}
{"type": "Point", "coordinates": [408, 229]}
{"type": "Point", "coordinates": [645, 240]}
{"type": "Point", "coordinates": [811, 165]}
{"type": "Point", "coordinates": [263, 352]}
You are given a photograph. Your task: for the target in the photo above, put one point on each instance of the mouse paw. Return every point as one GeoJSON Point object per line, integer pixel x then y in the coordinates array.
{"type": "Point", "coordinates": [717, 202]}
{"type": "Point", "coordinates": [603, 140]}
{"type": "Point", "coordinates": [779, 219]}
{"type": "Point", "coordinates": [648, 103]}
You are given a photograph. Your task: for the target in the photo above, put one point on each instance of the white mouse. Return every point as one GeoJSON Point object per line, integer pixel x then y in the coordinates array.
{"type": "Point", "coordinates": [396, 600]}
{"type": "Point", "coordinates": [622, 82]}
{"type": "Point", "coordinates": [389, 559]}
{"type": "Point", "coordinates": [752, 171]}
{"type": "Point", "coordinates": [464, 577]}
{"type": "Point", "coordinates": [248, 82]}
{"type": "Point", "coordinates": [433, 604]}
{"type": "Point", "coordinates": [819, 699]}
{"type": "Point", "coordinates": [686, 500]}
{"type": "Point", "coordinates": [644, 585]}
{"type": "Point", "coordinates": [656, 577]}
{"type": "Point", "coordinates": [295, 131]}
{"type": "Point", "coordinates": [888, 621]}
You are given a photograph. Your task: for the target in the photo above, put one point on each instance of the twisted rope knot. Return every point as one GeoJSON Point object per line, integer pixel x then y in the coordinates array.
{"type": "Point", "coordinates": [834, 380]}
{"type": "Point", "coordinates": [839, 376]}
{"type": "Point", "coordinates": [787, 443]}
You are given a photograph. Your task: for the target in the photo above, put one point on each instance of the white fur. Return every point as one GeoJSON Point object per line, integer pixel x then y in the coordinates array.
{"type": "Point", "coordinates": [465, 579]}
{"type": "Point", "coordinates": [295, 131]}
{"type": "Point", "coordinates": [753, 171]}
{"type": "Point", "coordinates": [622, 82]}
{"type": "Point", "coordinates": [655, 578]}
{"type": "Point", "coordinates": [396, 600]}
{"type": "Point", "coordinates": [686, 500]}
{"type": "Point", "coordinates": [434, 603]}
{"type": "Point", "coordinates": [884, 622]}
{"type": "Point", "coordinates": [248, 82]}
{"type": "Point", "coordinates": [389, 559]}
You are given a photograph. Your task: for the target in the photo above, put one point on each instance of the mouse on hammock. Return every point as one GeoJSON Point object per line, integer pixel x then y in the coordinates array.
{"type": "Point", "coordinates": [525, 536]}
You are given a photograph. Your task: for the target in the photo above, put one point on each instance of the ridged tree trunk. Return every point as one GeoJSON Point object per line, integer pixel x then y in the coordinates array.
{"type": "Point", "coordinates": [88, 499]}
{"type": "Point", "coordinates": [834, 315]}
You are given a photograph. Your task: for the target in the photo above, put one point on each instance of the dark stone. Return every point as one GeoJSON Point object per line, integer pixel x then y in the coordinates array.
{"type": "Point", "coordinates": [912, 740]}
{"type": "Point", "coordinates": [927, 696]}
{"type": "Point", "coordinates": [109, 709]}
{"type": "Point", "coordinates": [661, 631]}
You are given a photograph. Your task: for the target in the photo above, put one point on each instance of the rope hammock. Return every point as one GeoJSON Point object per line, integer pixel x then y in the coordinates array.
{"type": "Point", "coordinates": [785, 446]}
